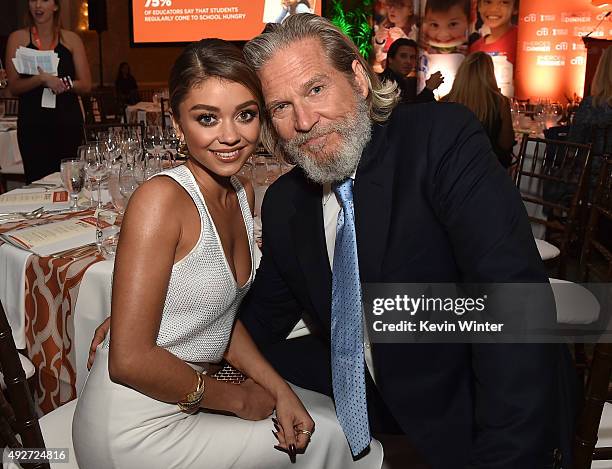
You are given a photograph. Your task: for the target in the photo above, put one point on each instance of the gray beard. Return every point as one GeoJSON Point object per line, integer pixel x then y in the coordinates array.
{"type": "Point", "coordinates": [355, 131]}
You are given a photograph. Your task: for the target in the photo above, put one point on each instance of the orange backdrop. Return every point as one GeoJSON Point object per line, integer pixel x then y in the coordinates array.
{"type": "Point", "coordinates": [551, 56]}
{"type": "Point", "coordinates": [191, 20]}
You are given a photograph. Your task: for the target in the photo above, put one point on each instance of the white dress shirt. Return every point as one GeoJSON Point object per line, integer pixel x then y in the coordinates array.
{"type": "Point", "coordinates": [331, 209]}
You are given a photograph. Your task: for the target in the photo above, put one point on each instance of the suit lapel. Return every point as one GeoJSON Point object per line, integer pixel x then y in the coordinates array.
{"type": "Point", "coordinates": [308, 233]}
{"type": "Point", "coordinates": [373, 202]}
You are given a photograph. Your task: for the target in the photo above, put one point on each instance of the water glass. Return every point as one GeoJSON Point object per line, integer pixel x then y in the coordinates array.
{"type": "Point", "coordinates": [127, 181]}
{"type": "Point", "coordinates": [96, 168]}
{"type": "Point", "coordinates": [73, 177]}
{"type": "Point", "coordinates": [108, 227]}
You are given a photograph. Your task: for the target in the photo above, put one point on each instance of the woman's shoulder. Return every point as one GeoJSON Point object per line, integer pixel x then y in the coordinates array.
{"type": "Point", "coordinates": [20, 36]}
{"type": "Point", "coordinates": [70, 37]}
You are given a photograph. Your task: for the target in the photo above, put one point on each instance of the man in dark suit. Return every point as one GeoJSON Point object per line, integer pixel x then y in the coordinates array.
{"type": "Point", "coordinates": [401, 65]}
{"type": "Point", "coordinates": [429, 204]}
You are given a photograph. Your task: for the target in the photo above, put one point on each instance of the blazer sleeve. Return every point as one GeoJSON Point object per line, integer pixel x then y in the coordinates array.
{"type": "Point", "coordinates": [270, 311]}
{"type": "Point", "coordinates": [482, 211]}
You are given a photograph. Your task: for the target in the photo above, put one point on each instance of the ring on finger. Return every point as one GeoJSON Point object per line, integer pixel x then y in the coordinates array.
{"type": "Point", "coordinates": [305, 432]}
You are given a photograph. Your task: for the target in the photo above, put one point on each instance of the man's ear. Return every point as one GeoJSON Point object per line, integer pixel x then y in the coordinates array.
{"type": "Point", "coordinates": [361, 78]}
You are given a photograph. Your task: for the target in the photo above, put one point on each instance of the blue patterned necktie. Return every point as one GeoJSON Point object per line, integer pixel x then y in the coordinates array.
{"type": "Point", "coordinates": [348, 378]}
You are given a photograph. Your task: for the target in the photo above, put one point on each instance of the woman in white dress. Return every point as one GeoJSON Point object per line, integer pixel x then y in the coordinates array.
{"type": "Point", "coordinates": [184, 263]}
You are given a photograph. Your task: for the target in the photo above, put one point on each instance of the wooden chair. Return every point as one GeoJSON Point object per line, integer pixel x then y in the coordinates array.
{"type": "Point", "coordinates": [589, 420]}
{"type": "Point", "coordinates": [596, 258]}
{"type": "Point", "coordinates": [11, 106]}
{"type": "Point", "coordinates": [18, 417]}
{"type": "Point", "coordinates": [551, 176]}
{"type": "Point", "coordinates": [165, 112]}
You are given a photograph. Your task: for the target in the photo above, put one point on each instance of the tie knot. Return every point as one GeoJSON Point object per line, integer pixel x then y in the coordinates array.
{"type": "Point", "coordinates": [344, 191]}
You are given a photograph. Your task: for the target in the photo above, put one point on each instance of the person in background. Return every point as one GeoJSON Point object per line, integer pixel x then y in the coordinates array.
{"type": "Point", "coordinates": [400, 22]}
{"type": "Point", "coordinates": [125, 85]}
{"type": "Point", "coordinates": [593, 119]}
{"type": "Point", "coordinates": [497, 16]}
{"type": "Point", "coordinates": [401, 68]}
{"type": "Point", "coordinates": [46, 135]}
{"type": "Point", "coordinates": [445, 26]}
{"type": "Point", "coordinates": [291, 7]}
{"type": "Point", "coordinates": [476, 88]}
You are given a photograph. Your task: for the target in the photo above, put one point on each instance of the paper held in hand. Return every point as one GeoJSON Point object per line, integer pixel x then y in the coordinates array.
{"type": "Point", "coordinates": [26, 201]}
{"type": "Point", "coordinates": [54, 237]}
{"type": "Point", "coordinates": [28, 60]}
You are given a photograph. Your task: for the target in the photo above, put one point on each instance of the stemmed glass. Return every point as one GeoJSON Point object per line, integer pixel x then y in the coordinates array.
{"type": "Point", "coordinates": [73, 177]}
{"type": "Point", "coordinates": [96, 167]}
{"type": "Point", "coordinates": [127, 181]}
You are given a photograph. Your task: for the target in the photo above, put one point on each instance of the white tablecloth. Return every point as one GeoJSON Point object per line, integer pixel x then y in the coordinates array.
{"type": "Point", "coordinates": [9, 149]}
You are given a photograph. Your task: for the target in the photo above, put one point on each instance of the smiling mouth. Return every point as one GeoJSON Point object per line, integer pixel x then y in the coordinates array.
{"type": "Point", "coordinates": [226, 154]}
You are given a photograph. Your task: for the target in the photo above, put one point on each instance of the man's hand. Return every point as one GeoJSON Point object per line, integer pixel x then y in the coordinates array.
{"type": "Point", "coordinates": [434, 81]}
{"type": "Point", "coordinates": [98, 338]}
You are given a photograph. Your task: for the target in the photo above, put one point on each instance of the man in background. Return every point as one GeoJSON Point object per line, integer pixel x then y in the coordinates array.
{"type": "Point", "coordinates": [402, 59]}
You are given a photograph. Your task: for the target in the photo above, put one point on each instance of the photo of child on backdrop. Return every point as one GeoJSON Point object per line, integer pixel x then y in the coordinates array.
{"type": "Point", "coordinates": [393, 19]}
{"type": "Point", "coordinates": [445, 26]}
{"type": "Point", "coordinates": [497, 36]}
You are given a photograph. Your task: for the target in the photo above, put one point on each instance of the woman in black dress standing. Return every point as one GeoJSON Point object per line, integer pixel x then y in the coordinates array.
{"type": "Point", "coordinates": [46, 135]}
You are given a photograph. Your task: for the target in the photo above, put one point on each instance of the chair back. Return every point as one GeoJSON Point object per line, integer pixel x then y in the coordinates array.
{"type": "Point", "coordinates": [11, 106]}
{"type": "Point", "coordinates": [589, 419]}
{"type": "Point", "coordinates": [551, 176]}
{"type": "Point", "coordinates": [596, 258]}
{"type": "Point", "coordinates": [20, 415]}
{"type": "Point", "coordinates": [165, 113]}
{"type": "Point", "coordinates": [601, 139]}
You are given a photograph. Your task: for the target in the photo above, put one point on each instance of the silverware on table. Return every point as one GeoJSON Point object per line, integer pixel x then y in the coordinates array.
{"type": "Point", "coordinates": [72, 252]}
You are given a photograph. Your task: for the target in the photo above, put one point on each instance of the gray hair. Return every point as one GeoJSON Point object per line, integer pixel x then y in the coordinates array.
{"type": "Point", "coordinates": [338, 48]}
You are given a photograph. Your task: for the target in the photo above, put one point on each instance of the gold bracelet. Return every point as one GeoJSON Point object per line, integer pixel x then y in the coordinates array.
{"type": "Point", "coordinates": [191, 403]}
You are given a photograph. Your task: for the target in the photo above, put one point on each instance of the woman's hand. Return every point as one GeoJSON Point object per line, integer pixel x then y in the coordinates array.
{"type": "Point", "coordinates": [98, 338]}
{"type": "Point", "coordinates": [256, 402]}
{"type": "Point", "coordinates": [56, 84]}
{"type": "Point", "coordinates": [293, 423]}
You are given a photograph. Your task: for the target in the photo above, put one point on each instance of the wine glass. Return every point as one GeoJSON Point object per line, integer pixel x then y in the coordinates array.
{"type": "Point", "coordinates": [96, 168]}
{"type": "Point", "coordinates": [73, 177]}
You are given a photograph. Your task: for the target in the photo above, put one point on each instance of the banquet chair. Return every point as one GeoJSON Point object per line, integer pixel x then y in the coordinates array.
{"type": "Point", "coordinates": [11, 106]}
{"type": "Point", "coordinates": [551, 176]}
{"type": "Point", "coordinates": [17, 418]}
{"type": "Point", "coordinates": [596, 258]}
{"type": "Point", "coordinates": [594, 423]}
{"type": "Point", "coordinates": [165, 113]}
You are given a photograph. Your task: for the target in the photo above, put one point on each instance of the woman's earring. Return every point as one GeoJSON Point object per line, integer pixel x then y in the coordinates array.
{"type": "Point", "coordinates": [182, 149]}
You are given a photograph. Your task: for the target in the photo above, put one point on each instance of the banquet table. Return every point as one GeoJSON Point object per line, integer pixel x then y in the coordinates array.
{"type": "Point", "coordinates": [9, 147]}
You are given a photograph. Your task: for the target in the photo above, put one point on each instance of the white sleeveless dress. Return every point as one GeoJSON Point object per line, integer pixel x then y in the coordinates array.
{"type": "Point", "coordinates": [115, 426]}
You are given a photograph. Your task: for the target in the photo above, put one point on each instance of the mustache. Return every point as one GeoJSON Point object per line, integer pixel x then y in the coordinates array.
{"type": "Point", "coordinates": [316, 132]}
